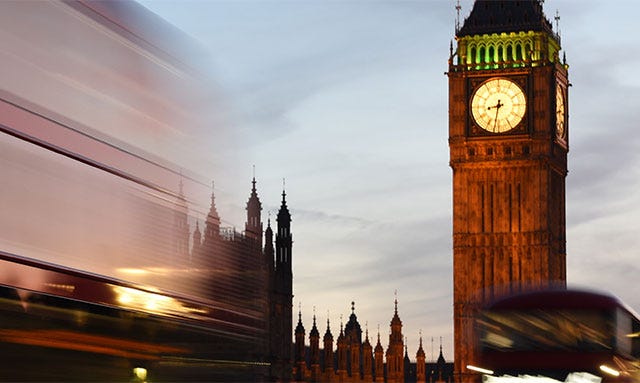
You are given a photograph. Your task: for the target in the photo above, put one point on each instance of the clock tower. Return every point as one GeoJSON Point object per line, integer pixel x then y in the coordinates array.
{"type": "Point", "coordinates": [508, 141]}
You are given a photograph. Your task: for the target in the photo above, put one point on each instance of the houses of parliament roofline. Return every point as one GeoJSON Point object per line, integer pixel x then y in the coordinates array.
{"type": "Point", "coordinates": [356, 360]}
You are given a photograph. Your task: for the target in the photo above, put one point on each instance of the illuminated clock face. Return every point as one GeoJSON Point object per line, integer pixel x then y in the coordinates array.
{"type": "Point", "coordinates": [560, 113]}
{"type": "Point", "coordinates": [498, 105]}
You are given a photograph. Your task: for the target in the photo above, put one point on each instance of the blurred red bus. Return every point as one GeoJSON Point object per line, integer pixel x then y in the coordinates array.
{"type": "Point", "coordinates": [107, 121]}
{"type": "Point", "coordinates": [559, 335]}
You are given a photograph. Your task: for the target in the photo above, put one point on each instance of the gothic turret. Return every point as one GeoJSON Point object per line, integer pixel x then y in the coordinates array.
{"type": "Point", "coordinates": [407, 361]}
{"type": "Point", "coordinates": [395, 361]}
{"type": "Point", "coordinates": [300, 360]}
{"type": "Point", "coordinates": [197, 242]}
{"type": "Point", "coordinates": [314, 350]}
{"type": "Point", "coordinates": [379, 360]}
{"type": "Point", "coordinates": [284, 243]}
{"type": "Point", "coordinates": [211, 235]}
{"type": "Point", "coordinates": [212, 224]}
{"type": "Point", "coordinates": [342, 355]}
{"type": "Point", "coordinates": [367, 358]}
{"type": "Point", "coordinates": [253, 226]}
{"type": "Point", "coordinates": [282, 293]}
{"type": "Point", "coordinates": [328, 354]}
{"type": "Point", "coordinates": [421, 376]}
{"type": "Point", "coordinates": [268, 246]}
{"type": "Point", "coordinates": [353, 335]}
{"type": "Point", "coordinates": [180, 233]}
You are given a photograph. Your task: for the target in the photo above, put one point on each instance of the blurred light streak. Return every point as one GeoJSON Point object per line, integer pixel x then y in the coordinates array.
{"type": "Point", "coordinates": [609, 370]}
{"type": "Point", "coordinates": [153, 303]}
{"type": "Point", "coordinates": [479, 369]}
{"type": "Point", "coordinates": [70, 340]}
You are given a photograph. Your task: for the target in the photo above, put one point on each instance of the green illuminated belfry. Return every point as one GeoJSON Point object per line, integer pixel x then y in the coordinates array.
{"type": "Point", "coordinates": [506, 34]}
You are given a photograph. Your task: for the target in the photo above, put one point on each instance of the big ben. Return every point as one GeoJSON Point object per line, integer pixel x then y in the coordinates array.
{"type": "Point", "coordinates": [508, 141]}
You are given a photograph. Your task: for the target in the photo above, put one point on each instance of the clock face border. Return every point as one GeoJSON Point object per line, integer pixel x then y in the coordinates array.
{"type": "Point", "coordinates": [474, 129]}
{"type": "Point", "coordinates": [560, 127]}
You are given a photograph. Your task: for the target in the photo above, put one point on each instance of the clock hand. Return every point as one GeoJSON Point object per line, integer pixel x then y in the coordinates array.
{"type": "Point", "coordinates": [497, 108]}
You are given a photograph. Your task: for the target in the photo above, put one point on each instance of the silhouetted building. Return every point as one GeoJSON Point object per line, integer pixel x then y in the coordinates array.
{"type": "Point", "coordinates": [355, 360]}
{"type": "Point", "coordinates": [508, 140]}
{"type": "Point", "coordinates": [243, 274]}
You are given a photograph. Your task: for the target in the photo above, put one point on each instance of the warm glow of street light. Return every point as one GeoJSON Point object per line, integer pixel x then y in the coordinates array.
{"type": "Point", "coordinates": [140, 374]}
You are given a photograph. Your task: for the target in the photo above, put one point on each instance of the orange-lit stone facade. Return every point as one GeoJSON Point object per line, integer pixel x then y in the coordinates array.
{"type": "Point", "coordinates": [509, 187]}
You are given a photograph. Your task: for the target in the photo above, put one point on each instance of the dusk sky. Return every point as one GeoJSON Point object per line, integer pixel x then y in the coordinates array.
{"type": "Point", "coordinates": [347, 100]}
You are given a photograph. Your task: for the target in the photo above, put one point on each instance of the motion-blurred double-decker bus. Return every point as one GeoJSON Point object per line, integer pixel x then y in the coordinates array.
{"type": "Point", "coordinates": [107, 121]}
{"type": "Point", "coordinates": [559, 335]}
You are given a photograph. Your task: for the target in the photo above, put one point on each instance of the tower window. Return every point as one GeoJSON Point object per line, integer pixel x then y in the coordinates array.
{"type": "Point", "coordinates": [489, 151]}
{"type": "Point", "coordinates": [472, 152]}
{"type": "Point", "coordinates": [507, 150]}
{"type": "Point", "coordinates": [526, 150]}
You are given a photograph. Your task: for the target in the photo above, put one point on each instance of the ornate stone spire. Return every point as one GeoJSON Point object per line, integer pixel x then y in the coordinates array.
{"type": "Point", "coordinates": [420, 352]}
{"type": "Point", "coordinates": [327, 334]}
{"type": "Point", "coordinates": [213, 212]}
{"type": "Point", "coordinates": [378, 344]}
{"type": "Point", "coordinates": [314, 330]}
{"type": "Point", "coordinates": [197, 241]}
{"type": "Point", "coordinates": [299, 327]}
{"type": "Point", "coordinates": [253, 226]}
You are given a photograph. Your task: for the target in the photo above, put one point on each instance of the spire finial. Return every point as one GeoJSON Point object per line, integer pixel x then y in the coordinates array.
{"type": "Point", "coordinates": [458, 8]}
{"type": "Point", "coordinates": [378, 332]}
{"type": "Point", "coordinates": [420, 332]}
{"type": "Point", "coordinates": [366, 330]}
{"type": "Point", "coordinates": [557, 19]}
{"type": "Point", "coordinates": [284, 194]}
{"type": "Point", "coordinates": [340, 323]}
{"type": "Point", "coordinates": [441, 345]}
{"type": "Point", "coordinates": [253, 181]}
{"type": "Point", "coordinates": [327, 320]}
{"type": "Point", "coordinates": [314, 316]}
{"type": "Point", "coordinates": [353, 307]}
{"type": "Point", "coordinates": [396, 301]}
{"type": "Point", "coordinates": [299, 311]}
